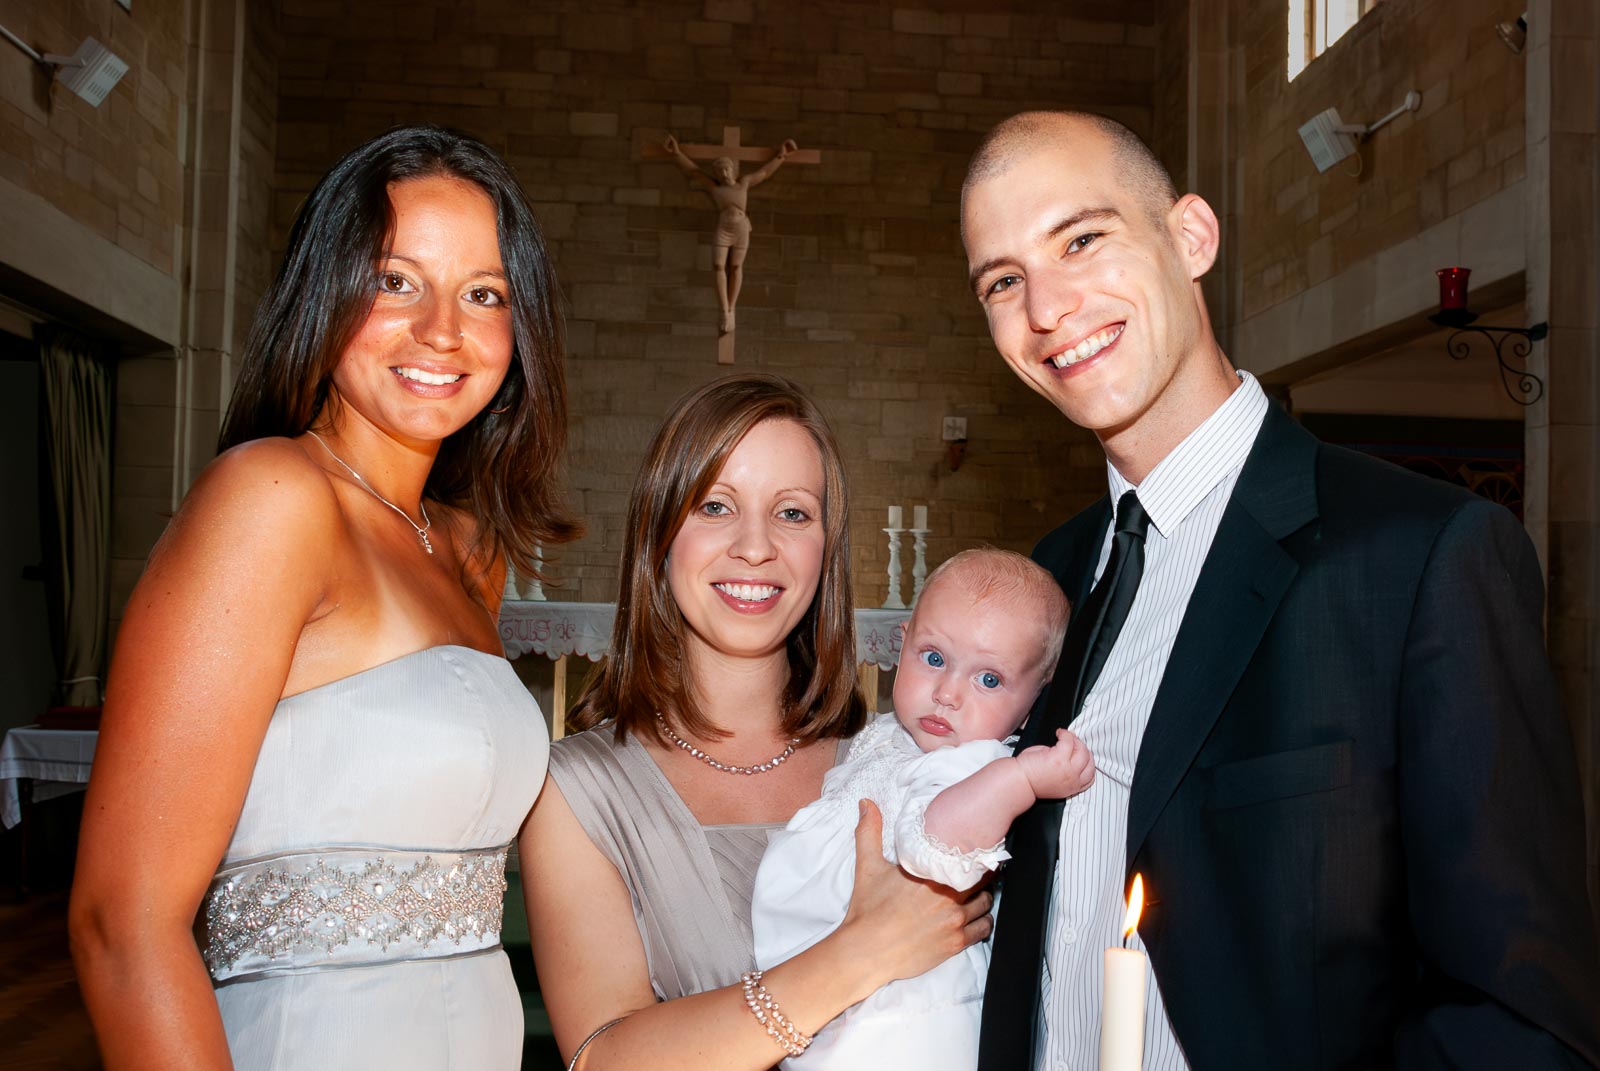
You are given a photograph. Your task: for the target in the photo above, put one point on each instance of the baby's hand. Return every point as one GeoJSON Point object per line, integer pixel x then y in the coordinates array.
{"type": "Point", "coordinates": [1058, 770]}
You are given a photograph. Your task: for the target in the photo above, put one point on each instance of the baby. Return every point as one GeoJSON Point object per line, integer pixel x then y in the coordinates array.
{"type": "Point", "coordinates": [980, 647]}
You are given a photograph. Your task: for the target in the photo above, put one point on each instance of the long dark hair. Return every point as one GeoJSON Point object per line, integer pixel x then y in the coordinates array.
{"type": "Point", "coordinates": [503, 466]}
{"type": "Point", "coordinates": [645, 670]}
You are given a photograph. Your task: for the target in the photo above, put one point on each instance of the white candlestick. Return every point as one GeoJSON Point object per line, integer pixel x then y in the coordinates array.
{"type": "Point", "coordinates": [921, 515]}
{"type": "Point", "coordinates": [894, 602]}
{"type": "Point", "coordinates": [896, 517]}
{"type": "Point", "coordinates": [534, 592]}
{"type": "Point", "coordinates": [1122, 1011]}
{"type": "Point", "coordinates": [919, 563]}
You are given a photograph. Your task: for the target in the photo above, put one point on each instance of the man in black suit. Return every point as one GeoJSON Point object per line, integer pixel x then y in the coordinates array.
{"type": "Point", "coordinates": [1315, 686]}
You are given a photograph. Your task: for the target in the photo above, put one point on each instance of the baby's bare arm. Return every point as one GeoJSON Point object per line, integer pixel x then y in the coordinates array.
{"type": "Point", "coordinates": [976, 812]}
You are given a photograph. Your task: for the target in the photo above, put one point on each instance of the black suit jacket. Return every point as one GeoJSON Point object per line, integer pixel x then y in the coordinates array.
{"type": "Point", "coordinates": [1355, 805]}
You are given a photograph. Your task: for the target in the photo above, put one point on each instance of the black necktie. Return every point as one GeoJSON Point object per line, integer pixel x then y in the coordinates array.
{"type": "Point", "coordinates": [1011, 998]}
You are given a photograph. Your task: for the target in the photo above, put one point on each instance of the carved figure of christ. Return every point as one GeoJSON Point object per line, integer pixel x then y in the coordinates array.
{"type": "Point", "coordinates": [730, 193]}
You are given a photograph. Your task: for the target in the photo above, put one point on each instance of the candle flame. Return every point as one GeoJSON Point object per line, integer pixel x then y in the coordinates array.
{"type": "Point", "coordinates": [1135, 907]}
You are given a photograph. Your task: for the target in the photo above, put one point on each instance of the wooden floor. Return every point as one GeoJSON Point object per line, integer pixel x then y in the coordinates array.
{"type": "Point", "coordinates": [41, 1014]}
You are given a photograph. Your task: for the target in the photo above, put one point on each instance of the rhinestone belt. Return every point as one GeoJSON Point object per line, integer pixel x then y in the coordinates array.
{"type": "Point", "coordinates": [350, 907]}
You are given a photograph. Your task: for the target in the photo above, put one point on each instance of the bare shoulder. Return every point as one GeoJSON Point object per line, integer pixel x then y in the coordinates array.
{"type": "Point", "coordinates": [266, 501]}
{"type": "Point", "coordinates": [276, 467]}
{"type": "Point", "coordinates": [267, 480]}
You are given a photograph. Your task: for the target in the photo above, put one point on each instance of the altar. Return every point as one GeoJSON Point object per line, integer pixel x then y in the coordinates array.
{"type": "Point", "coordinates": [54, 761]}
{"type": "Point", "coordinates": [562, 630]}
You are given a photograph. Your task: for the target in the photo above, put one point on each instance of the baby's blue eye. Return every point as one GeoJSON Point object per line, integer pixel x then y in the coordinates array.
{"type": "Point", "coordinates": [933, 658]}
{"type": "Point", "coordinates": [989, 680]}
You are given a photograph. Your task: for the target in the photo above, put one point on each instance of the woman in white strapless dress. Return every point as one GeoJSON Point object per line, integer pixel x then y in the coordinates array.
{"type": "Point", "coordinates": [310, 739]}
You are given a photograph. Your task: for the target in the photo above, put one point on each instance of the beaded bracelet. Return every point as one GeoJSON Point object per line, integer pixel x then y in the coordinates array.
{"type": "Point", "coordinates": [767, 1013]}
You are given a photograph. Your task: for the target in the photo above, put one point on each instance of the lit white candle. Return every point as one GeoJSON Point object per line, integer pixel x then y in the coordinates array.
{"type": "Point", "coordinates": [896, 517]}
{"type": "Point", "coordinates": [1122, 1003]}
{"type": "Point", "coordinates": [921, 514]}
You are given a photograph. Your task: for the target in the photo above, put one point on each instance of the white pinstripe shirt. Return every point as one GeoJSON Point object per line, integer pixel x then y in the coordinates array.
{"type": "Point", "coordinates": [1185, 496]}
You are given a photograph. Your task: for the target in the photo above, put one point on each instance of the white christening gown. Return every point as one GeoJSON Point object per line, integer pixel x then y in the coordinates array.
{"type": "Point", "coordinates": [803, 888]}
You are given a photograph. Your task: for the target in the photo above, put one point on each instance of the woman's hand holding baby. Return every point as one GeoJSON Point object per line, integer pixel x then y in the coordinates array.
{"type": "Point", "coordinates": [1056, 771]}
{"type": "Point", "coordinates": [899, 926]}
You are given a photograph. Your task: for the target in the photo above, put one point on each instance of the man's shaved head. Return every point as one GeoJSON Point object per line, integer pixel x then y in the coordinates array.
{"type": "Point", "coordinates": [1027, 131]}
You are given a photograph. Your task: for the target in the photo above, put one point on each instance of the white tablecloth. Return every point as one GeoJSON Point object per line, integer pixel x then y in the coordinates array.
{"type": "Point", "coordinates": [878, 635]}
{"type": "Point", "coordinates": [554, 629]}
{"type": "Point", "coordinates": [56, 760]}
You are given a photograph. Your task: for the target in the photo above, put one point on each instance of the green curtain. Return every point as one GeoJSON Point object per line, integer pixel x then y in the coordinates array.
{"type": "Point", "coordinates": [76, 376]}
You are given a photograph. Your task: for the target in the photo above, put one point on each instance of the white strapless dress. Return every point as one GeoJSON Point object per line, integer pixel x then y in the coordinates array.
{"type": "Point", "coordinates": [355, 919]}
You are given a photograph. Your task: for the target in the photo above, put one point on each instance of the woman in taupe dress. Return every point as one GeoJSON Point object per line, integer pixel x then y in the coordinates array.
{"type": "Point", "coordinates": [729, 693]}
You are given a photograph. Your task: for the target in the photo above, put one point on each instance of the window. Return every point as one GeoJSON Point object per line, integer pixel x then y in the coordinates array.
{"type": "Point", "coordinates": [1316, 24]}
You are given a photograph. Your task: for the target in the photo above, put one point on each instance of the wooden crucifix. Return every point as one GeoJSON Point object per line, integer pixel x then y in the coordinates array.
{"type": "Point", "coordinates": [730, 193]}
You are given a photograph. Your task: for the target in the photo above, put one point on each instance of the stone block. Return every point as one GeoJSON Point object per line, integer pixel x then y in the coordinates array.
{"type": "Point", "coordinates": [1468, 192]}
{"type": "Point", "coordinates": [889, 449]}
{"type": "Point", "coordinates": [552, 61]}
{"type": "Point", "coordinates": [686, 116]}
{"type": "Point", "coordinates": [637, 196]}
{"type": "Point", "coordinates": [740, 11]}
{"type": "Point", "coordinates": [594, 30]}
{"type": "Point", "coordinates": [1087, 32]}
{"type": "Point", "coordinates": [708, 33]}
{"type": "Point", "coordinates": [1468, 165]}
{"type": "Point", "coordinates": [997, 26]}
{"type": "Point", "coordinates": [1569, 373]}
{"type": "Point", "coordinates": [1572, 464]}
{"type": "Point", "coordinates": [917, 21]}
{"type": "Point", "coordinates": [607, 302]}
{"type": "Point", "coordinates": [956, 83]}
{"type": "Point", "coordinates": [889, 389]}
{"type": "Point", "coordinates": [594, 124]}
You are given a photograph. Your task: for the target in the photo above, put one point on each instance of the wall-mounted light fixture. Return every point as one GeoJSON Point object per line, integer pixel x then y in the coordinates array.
{"type": "Point", "coordinates": [1330, 139]}
{"type": "Point", "coordinates": [1453, 312]}
{"type": "Point", "coordinates": [1514, 34]}
{"type": "Point", "coordinates": [91, 72]}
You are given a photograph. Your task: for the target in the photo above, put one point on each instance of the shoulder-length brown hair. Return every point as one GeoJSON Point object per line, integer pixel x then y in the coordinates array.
{"type": "Point", "coordinates": [646, 670]}
{"type": "Point", "coordinates": [503, 466]}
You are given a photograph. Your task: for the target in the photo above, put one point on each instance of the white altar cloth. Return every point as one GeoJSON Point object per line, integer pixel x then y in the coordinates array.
{"type": "Point", "coordinates": [554, 629]}
{"type": "Point", "coordinates": [56, 760]}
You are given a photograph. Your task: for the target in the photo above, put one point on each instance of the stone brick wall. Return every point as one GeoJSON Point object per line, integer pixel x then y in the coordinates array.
{"type": "Point", "coordinates": [115, 168]}
{"type": "Point", "coordinates": [854, 283]}
{"type": "Point", "coordinates": [1464, 144]}
{"type": "Point", "coordinates": [169, 404]}
{"type": "Point", "coordinates": [1169, 135]}
{"type": "Point", "coordinates": [257, 261]}
{"type": "Point", "coordinates": [160, 207]}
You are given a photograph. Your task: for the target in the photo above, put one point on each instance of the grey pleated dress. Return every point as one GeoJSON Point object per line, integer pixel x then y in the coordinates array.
{"type": "Point", "coordinates": [690, 884]}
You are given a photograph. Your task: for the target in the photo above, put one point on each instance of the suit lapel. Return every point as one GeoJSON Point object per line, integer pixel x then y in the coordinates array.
{"type": "Point", "coordinates": [1245, 577]}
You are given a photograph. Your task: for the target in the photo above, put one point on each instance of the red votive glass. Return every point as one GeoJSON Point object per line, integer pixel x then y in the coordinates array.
{"type": "Point", "coordinates": [1453, 288]}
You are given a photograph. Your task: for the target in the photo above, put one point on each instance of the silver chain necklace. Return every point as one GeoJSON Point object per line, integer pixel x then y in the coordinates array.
{"type": "Point", "coordinates": [422, 532]}
{"type": "Point", "coordinates": [760, 767]}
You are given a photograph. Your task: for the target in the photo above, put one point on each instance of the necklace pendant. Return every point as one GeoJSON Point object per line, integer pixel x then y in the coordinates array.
{"type": "Point", "coordinates": [426, 545]}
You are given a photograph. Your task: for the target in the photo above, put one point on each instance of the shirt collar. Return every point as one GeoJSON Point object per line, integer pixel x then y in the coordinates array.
{"type": "Point", "coordinates": [1194, 468]}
